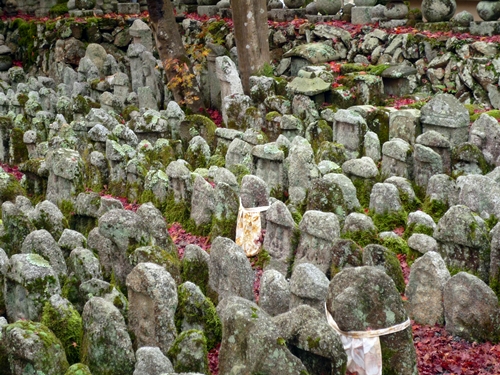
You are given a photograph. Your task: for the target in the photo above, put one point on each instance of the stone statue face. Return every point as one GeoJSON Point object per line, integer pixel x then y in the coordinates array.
{"type": "Point", "coordinates": [142, 319]}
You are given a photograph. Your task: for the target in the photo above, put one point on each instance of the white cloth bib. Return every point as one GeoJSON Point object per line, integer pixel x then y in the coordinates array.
{"type": "Point", "coordinates": [364, 355]}
{"type": "Point", "coordinates": [248, 229]}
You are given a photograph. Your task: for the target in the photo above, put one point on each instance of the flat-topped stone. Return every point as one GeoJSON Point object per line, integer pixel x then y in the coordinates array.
{"type": "Point", "coordinates": [128, 8]}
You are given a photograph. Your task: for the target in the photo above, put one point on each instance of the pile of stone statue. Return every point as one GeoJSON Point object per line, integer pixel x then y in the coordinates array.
{"type": "Point", "coordinates": [88, 287]}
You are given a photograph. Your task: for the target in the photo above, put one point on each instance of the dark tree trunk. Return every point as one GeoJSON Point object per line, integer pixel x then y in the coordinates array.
{"type": "Point", "coordinates": [251, 34]}
{"type": "Point", "coordinates": [177, 65]}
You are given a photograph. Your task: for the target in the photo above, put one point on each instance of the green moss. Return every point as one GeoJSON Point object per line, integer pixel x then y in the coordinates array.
{"type": "Point", "coordinates": [26, 43]}
{"type": "Point", "coordinates": [271, 116]}
{"type": "Point", "coordinates": [78, 369]}
{"type": "Point", "coordinates": [194, 312]}
{"type": "Point", "coordinates": [19, 149]}
{"type": "Point", "coordinates": [195, 271]}
{"type": "Point", "coordinates": [239, 171]}
{"type": "Point", "coordinates": [295, 243]}
{"type": "Point", "coordinates": [391, 220]}
{"type": "Point", "coordinates": [363, 187]}
{"type": "Point", "coordinates": [435, 208]}
{"type": "Point", "coordinates": [490, 222]}
{"type": "Point", "coordinates": [167, 258]}
{"type": "Point", "coordinates": [22, 99]}
{"type": "Point", "coordinates": [11, 190]}
{"type": "Point", "coordinates": [70, 289]}
{"type": "Point", "coordinates": [266, 70]}
{"type": "Point", "coordinates": [417, 228]}
{"type": "Point", "coordinates": [470, 152]}
{"type": "Point", "coordinates": [313, 343]}
{"type": "Point", "coordinates": [67, 208]}
{"type": "Point", "coordinates": [363, 238]}
{"type": "Point", "coordinates": [320, 133]}
{"type": "Point", "coordinates": [80, 105]}
{"type": "Point", "coordinates": [409, 204]}
{"type": "Point", "coordinates": [327, 197]}
{"type": "Point", "coordinates": [217, 160]}
{"type": "Point", "coordinates": [46, 336]}
{"type": "Point", "coordinates": [281, 341]}
{"type": "Point", "coordinates": [205, 127]}
{"type": "Point", "coordinates": [331, 151]}
{"type": "Point", "coordinates": [67, 325]}
{"type": "Point", "coordinates": [128, 110]}
{"type": "Point", "coordinates": [195, 158]}
{"type": "Point", "coordinates": [494, 284]}
{"type": "Point", "coordinates": [254, 313]}
{"type": "Point", "coordinates": [261, 260]}
{"type": "Point", "coordinates": [176, 212]}
{"type": "Point", "coordinates": [370, 69]}
{"type": "Point", "coordinates": [378, 122]}
{"type": "Point", "coordinates": [400, 246]}
{"type": "Point", "coordinates": [224, 227]}
{"type": "Point", "coordinates": [59, 9]}
{"type": "Point", "coordinates": [387, 355]}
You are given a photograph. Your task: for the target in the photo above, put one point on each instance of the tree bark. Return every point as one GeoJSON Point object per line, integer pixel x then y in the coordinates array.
{"type": "Point", "coordinates": [251, 34]}
{"type": "Point", "coordinates": [176, 63]}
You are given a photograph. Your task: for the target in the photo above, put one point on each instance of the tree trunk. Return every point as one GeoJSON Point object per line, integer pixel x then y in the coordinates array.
{"type": "Point", "coordinates": [251, 34]}
{"type": "Point", "coordinates": [178, 69]}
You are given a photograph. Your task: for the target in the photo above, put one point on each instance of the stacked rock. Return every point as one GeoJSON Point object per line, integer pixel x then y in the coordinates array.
{"type": "Point", "coordinates": [488, 10]}
{"type": "Point", "coordinates": [438, 10]}
{"type": "Point", "coordinates": [293, 9]}
{"type": "Point", "coordinates": [361, 13]}
{"type": "Point", "coordinates": [395, 13]}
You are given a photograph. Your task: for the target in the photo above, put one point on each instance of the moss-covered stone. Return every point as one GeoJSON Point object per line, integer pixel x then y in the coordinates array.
{"type": "Point", "coordinates": [45, 349]}
{"type": "Point", "coordinates": [18, 149]}
{"type": "Point", "coordinates": [155, 254]}
{"type": "Point", "coordinates": [327, 197]}
{"type": "Point", "coordinates": [201, 125]}
{"type": "Point", "coordinates": [197, 311]}
{"type": "Point", "coordinates": [317, 133]}
{"type": "Point", "coordinates": [331, 151]}
{"type": "Point", "coordinates": [189, 352]}
{"type": "Point", "coordinates": [78, 369]}
{"type": "Point", "coordinates": [66, 323]}
{"type": "Point", "coordinates": [375, 255]}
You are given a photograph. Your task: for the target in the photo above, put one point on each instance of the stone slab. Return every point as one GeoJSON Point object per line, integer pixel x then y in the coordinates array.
{"type": "Point", "coordinates": [129, 8]}
{"type": "Point", "coordinates": [361, 15]}
{"type": "Point", "coordinates": [208, 10]}
{"type": "Point", "coordinates": [282, 15]}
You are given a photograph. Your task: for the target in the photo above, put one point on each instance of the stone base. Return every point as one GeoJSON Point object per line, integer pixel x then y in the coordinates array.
{"type": "Point", "coordinates": [434, 26]}
{"type": "Point", "coordinates": [389, 24]}
{"type": "Point", "coordinates": [208, 10]}
{"type": "Point", "coordinates": [361, 16]}
{"type": "Point", "coordinates": [184, 8]}
{"type": "Point", "coordinates": [396, 87]}
{"type": "Point", "coordinates": [282, 15]}
{"type": "Point", "coordinates": [318, 18]}
{"type": "Point", "coordinates": [129, 8]}
{"type": "Point", "coordinates": [485, 28]}
{"type": "Point", "coordinates": [86, 13]}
